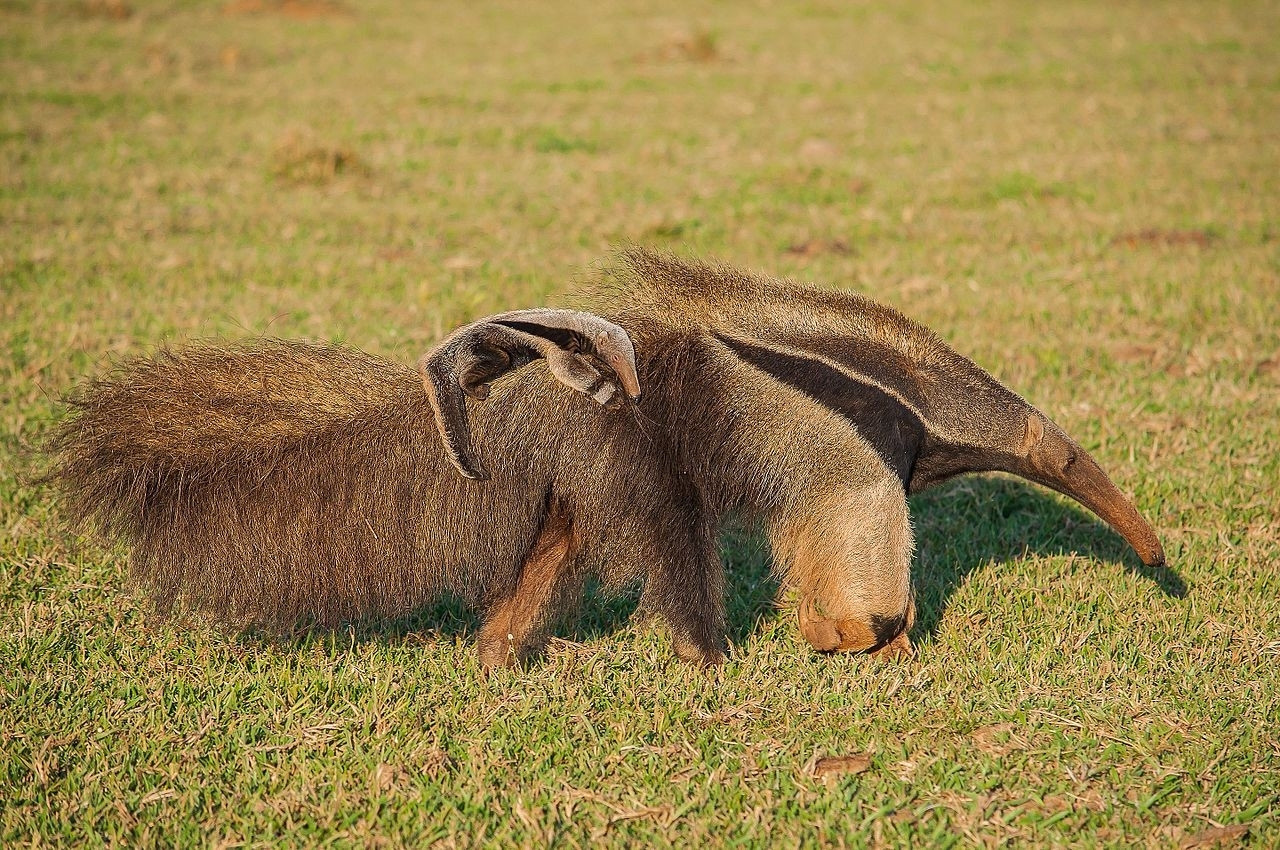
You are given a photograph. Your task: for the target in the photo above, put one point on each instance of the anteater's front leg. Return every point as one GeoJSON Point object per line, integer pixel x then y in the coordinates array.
{"type": "Point", "coordinates": [849, 555]}
{"type": "Point", "coordinates": [512, 623]}
{"type": "Point", "coordinates": [685, 585]}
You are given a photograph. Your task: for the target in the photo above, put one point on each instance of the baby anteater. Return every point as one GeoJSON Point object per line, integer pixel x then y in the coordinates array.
{"type": "Point", "coordinates": [280, 482]}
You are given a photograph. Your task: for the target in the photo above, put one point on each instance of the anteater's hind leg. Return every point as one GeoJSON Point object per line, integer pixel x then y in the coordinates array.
{"type": "Point", "coordinates": [686, 589]}
{"type": "Point", "coordinates": [512, 623]}
{"type": "Point", "coordinates": [684, 581]}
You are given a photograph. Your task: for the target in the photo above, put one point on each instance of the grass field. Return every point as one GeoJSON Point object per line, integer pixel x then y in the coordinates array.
{"type": "Point", "coordinates": [1083, 197]}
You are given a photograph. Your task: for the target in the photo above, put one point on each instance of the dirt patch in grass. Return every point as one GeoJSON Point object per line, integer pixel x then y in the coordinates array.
{"type": "Point", "coordinates": [300, 10]}
{"type": "Point", "coordinates": [836, 766]}
{"type": "Point", "coordinates": [998, 739]}
{"type": "Point", "coordinates": [810, 248]}
{"type": "Point", "coordinates": [115, 10]}
{"type": "Point", "coordinates": [1268, 366]}
{"type": "Point", "coordinates": [695, 46]}
{"type": "Point", "coordinates": [298, 158]}
{"type": "Point", "coordinates": [1218, 836]}
{"type": "Point", "coordinates": [1157, 238]}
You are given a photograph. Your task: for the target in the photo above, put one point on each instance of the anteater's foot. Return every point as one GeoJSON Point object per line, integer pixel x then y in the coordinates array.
{"type": "Point", "coordinates": [897, 650]}
{"type": "Point", "coordinates": [703, 652]}
{"type": "Point", "coordinates": [885, 638]}
{"type": "Point", "coordinates": [497, 651]}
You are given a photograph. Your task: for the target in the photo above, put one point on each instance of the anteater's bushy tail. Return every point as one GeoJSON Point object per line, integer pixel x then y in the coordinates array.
{"type": "Point", "coordinates": [267, 483]}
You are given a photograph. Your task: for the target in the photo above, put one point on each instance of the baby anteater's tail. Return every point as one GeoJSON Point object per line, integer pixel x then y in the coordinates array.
{"type": "Point", "coordinates": [264, 483]}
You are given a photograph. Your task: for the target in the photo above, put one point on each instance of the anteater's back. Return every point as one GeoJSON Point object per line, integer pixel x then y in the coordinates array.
{"type": "Point", "coordinates": [272, 483]}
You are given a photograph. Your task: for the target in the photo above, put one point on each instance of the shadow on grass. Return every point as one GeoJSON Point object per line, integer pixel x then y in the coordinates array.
{"type": "Point", "coordinates": [444, 619]}
{"type": "Point", "coordinates": [980, 520]}
{"type": "Point", "coordinates": [959, 527]}
{"type": "Point", "coordinates": [750, 602]}
{"type": "Point", "coordinates": [752, 590]}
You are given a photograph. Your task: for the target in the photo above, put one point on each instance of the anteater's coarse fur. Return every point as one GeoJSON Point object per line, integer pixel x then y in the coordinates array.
{"type": "Point", "coordinates": [278, 482]}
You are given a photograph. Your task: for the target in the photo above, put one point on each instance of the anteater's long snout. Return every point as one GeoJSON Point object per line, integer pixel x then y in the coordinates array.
{"type": "Point", "coordinates": [1085, 482]}
{"type": "Point", "coordinates": [1056, 461]}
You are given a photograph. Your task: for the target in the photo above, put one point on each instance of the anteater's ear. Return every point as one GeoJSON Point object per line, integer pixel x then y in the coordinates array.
{"type": "Point", "coordinates": [474, 356]}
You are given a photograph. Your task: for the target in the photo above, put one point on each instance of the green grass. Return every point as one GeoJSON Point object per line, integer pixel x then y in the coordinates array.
{"type": "Point", "coordinates": [1082, 197]}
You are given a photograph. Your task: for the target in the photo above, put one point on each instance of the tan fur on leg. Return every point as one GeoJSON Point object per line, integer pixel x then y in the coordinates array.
{"type": "Point", "coordinates": [513, 621]}
{"type": "Point", "coordinates": [851, 559]}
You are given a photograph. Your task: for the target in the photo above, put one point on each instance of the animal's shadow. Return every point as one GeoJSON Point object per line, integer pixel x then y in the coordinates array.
{"type": "Point", "coordinates": [752, 592]}
{"type": "Point", "coordinates": [983, 519]}
{"type": "Point", "coordinates": [959, 527]}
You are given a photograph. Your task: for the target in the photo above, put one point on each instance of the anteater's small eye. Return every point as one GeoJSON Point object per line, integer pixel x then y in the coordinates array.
{"type": "Point", "coordinates": [1071, 458]}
